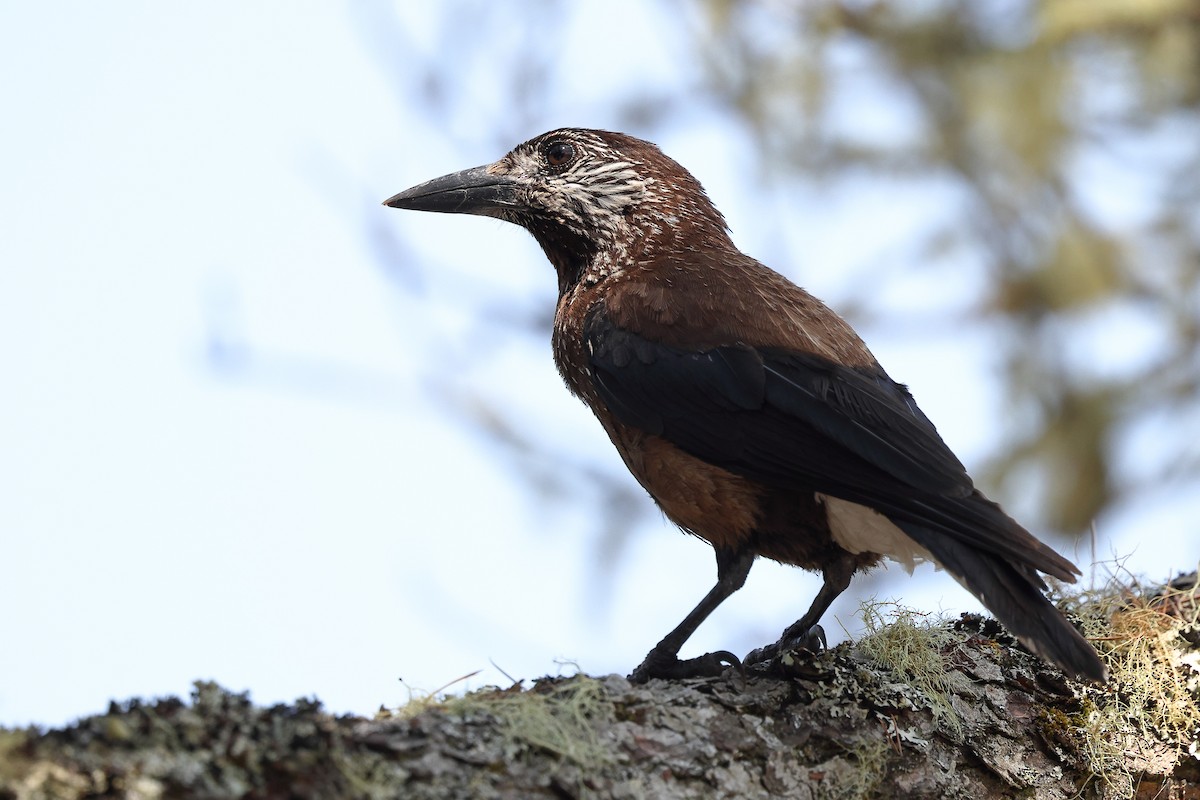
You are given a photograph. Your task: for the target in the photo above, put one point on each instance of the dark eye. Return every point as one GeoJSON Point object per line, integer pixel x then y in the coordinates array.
{"type": "Point", "coordinates": [559, 153]}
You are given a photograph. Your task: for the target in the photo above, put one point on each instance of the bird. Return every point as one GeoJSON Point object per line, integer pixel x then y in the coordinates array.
{"type": "Point", "coordinates": [753, 414]}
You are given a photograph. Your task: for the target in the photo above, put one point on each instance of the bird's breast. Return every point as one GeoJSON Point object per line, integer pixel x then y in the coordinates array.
{"type": "Point", "coordinates": [701, 498]}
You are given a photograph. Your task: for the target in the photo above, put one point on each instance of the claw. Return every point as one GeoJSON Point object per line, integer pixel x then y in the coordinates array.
{"type": "Point", "coordinates": [811, 641]}
{"type": "Point", "coordinates": [669, 666]}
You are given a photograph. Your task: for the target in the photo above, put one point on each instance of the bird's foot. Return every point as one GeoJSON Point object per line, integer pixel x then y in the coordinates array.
{"type": "Point", "coordinates": [661, 664]}
{"type": "Point", "coordinates": [811, 641]}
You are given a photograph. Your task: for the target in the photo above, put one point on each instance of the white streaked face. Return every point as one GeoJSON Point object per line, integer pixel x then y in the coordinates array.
{"type": "Point", "coordinates": [577, 180]}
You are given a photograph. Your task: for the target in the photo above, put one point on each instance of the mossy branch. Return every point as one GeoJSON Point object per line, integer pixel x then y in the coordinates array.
{"type": "Point", "coordinates": [919, 708]}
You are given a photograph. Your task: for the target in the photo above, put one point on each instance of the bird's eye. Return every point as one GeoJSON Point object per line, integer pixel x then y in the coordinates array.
{"type": "Point", "coordinates": [559, 153]}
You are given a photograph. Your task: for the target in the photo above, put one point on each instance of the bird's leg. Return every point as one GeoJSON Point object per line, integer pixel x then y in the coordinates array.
{"type": "Point", "coordinates": [663, 661]}
{"type": "Point", "coordinates": [805, 632]}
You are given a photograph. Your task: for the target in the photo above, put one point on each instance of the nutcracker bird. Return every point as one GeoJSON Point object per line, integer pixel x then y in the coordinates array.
{"type": "Point", "coordinates": [753, 414]}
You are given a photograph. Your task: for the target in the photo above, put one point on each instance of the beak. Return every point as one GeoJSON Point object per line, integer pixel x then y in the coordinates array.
{"type": "Point", "coordinates": [472, 191]}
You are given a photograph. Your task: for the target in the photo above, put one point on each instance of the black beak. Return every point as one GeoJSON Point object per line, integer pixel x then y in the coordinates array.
{"type": "Point", "coordinates": [472, 191]}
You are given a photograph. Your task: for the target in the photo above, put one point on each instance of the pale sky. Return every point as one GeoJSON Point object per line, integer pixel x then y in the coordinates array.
{"type": "Point", "coordinates": [310, 516]}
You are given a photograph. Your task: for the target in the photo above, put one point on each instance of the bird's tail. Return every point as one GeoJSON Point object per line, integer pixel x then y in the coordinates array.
{"type": "Point", "coordinates": [1013, 592]}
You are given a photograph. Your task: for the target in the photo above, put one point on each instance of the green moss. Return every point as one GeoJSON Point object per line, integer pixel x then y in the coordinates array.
{"type": "Point", "coordinates": [870, 758]}
{"type": "Point", "coordinates": [13, 763]}
{"type": "Point", "coordinates": [910, 643]}
{"type": "Point", "coordinates": [1153, 691]}
{"type": "Point", "coordinates": [558, 717]}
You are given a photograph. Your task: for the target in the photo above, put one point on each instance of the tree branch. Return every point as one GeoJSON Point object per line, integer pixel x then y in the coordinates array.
{"type": "Point", "coordinates": [862, 720]}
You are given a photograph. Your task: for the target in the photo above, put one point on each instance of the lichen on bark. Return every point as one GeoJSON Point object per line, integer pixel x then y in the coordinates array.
{"type": "Point", "coordinates": [852, 722]}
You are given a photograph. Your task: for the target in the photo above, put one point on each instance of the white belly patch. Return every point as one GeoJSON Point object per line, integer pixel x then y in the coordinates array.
{"type": "Point", "coordinates": [859, 529]}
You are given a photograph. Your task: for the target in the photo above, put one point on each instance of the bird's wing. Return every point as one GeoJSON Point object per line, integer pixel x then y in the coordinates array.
{"type": "Point", "coordinates": [792, 419]}
{"type": "Point", "coordinates": [775, 414]}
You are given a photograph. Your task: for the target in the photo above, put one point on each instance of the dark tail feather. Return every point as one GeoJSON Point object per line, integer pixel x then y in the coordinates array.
{"type": "Point", "coordinates": [1016, 599]}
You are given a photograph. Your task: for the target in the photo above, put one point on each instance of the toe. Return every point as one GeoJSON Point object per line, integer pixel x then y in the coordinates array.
{"type": "Point", "coordinates": [669, 666]}
{"type": "Point", "coordinates": [811, 641]}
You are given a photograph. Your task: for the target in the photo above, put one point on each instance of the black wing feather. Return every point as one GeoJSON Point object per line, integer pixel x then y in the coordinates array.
{"type": "Point", "coordinates": [791, 419]}
{"type": "Point", "coordinates": [869, 414]}
{"type": "Point", "coordinates": [861, 418]}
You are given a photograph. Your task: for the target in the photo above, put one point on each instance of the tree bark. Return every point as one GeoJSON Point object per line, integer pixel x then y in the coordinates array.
{"type": "Point", "coordinates": [858, 721]}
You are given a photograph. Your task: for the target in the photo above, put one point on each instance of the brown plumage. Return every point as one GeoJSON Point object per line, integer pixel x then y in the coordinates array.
{"type": "Point", "coordinates": [753, 415]}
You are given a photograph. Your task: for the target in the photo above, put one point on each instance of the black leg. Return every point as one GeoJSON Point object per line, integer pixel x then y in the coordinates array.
{"type": "Point", "coordinates": [805, 632]}
{"type": "Point", "coordinates": [663, 661]}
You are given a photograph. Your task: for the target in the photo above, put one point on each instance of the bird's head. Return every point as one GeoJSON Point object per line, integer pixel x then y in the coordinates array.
{"type": "Point", "coordinates": [598, 202]}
